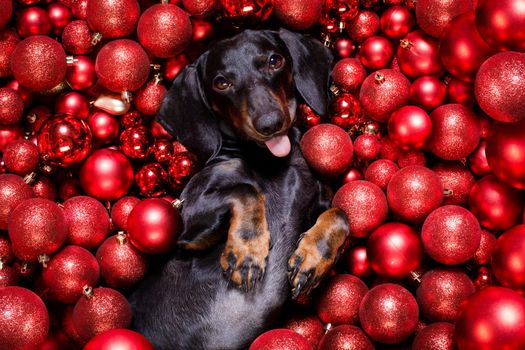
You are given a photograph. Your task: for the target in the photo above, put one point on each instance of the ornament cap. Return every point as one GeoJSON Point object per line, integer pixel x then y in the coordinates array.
{"type": "Point", "coordinates": [43, 259]}
{"type": "Point", "coordinates": [121, 237]}
{"type": "Point", "coordinates": [379, 78]}
{"type": "Point", "coordinates": [88, 291]}
{"type": "Point", "coordinates": [405, 44]}
{"type": "Point", "coordinates": [30, 178]}
{"type": "Point", "coordinates": [177, 203]}
{"type": "Point", "coordinates": [70, 60]}
{"type": "Point", "coordinates": [126, 96]}
{"type": "Point", "coordinates": [97, 37]}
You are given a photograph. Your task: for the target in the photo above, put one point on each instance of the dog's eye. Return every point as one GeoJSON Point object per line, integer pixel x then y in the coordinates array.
{"type": "Point", "coordinates": [221, 83]}
{"type": "Point", "coordinates": [276, 61]}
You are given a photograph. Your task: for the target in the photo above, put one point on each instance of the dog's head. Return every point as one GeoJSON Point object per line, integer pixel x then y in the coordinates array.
{"type": "Point", "coordinates": [246, 87]}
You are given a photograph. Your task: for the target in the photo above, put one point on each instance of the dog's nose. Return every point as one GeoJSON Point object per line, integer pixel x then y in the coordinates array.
{"type": "Point", "coordinates": [269, 123]}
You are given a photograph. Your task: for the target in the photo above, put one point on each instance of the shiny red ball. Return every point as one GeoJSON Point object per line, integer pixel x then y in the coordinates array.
{"type": "Point", "coordinates": [478, 160]}
{"type": "Point", "coordinates": [508, 259]}
{"type": "Point", "coordinates": [298, 15]}
{"type": "Point", "coordinates": [241, 13]}
{"type": "Point", "coordinates": [5, 15]}
{"type": "Point", "coordinates": [344, 47]}
{"type": "Point", "coordinates": [136, 141]}
{"type": "Point", "coordinates": [280, 339]}
{"type": "Point", "coordinates": [76, 38]}
{"type": "Point", "coordinates": [376, 52]}
{"type": "Point", "coordinates": [397, 22]}
{"type": "Point", "coordinates": [104, 127]}
{"type": "Point", "coordinates": [418, 55]}
{"type": "Point", "coordinates": [410, 127]}
{"type": "Point", "coordinates": [348, 74]}
{"type": "Point", "coordinates": [309, 326]}
{"type": "Point", "coordinates": [60, 16]}
{"type": "Point", "coordinates": [345, 111]}
{"type": "Point", "coordinates": [8, 41]}
{"type": "Point", "coordinates": [11, 106]}
{"type": "Point", "coordinates": [345, 337]}
{"type": "Point", "coordinates": [436, 336]}
{"type": "Point", "coordinates": [380, 172]}
{"type": "Point", "coordinates": [121, 339]}
{"type": "Point", "coordinates": [162, 150]}
{"type": "Point", "coordinates": [121, 210]}
{"type": "Point", "coordinates": [433, 16]}
{"type": "Point", "coordinates": [149, 98]}
{"type": "Point", "coordinates": [9, 133]}
{"type": "Point", "coordinates": [363, 26]}
{"type": "Point", "coordinates": [181, 168]}
{"type": "Point", "coordinates": [72, 103]}
{"type": "Point", "coordinates": [13, 191]}
{"type": "Point", "coordinates": [352, 174]}
{"type": "Point", "coordinates": [113, 18]}
{"type": "Point", "coordinates": [428, 92]}
{"type": "Point", "coordinates": [150, 180]}
{"type": "Point", "coordinates": [21, 157]}
{"type": "Point", "coordinates": [174, 65]}
{"type": "Point", "coordinates": [457, 181]}
{"type": "Point", "coordinates": [81, 74]}
{"type": "Point", "coordinates": [33, 21]}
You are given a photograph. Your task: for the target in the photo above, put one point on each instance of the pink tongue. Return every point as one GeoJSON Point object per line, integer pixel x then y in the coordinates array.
{"type": "Point", "coordinates": [279, 145]}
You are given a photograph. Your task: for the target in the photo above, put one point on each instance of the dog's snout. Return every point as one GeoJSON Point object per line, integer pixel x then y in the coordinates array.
{"type": "Point", "coordinates": [268, 124]}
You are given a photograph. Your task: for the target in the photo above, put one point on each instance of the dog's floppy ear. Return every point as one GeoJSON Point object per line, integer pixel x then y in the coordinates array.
{"type": "Point", "coordinates": [185, 113]}
{"type": "Point", "coordinates": [311, 66]}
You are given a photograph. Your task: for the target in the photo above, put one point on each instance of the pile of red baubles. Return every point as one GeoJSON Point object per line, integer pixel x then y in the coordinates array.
{"type": "Point", "coordinates": [424, 145]}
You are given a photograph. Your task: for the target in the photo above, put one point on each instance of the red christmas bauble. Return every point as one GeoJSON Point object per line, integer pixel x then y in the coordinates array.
{"type": "Point", "coordinates": [418, 55]}
{"type": "Point", "coordinates": [411, 157]}
{"type": "Point", "coordinates": [150, 180]}
{"type": "Point", "coordinates": [122, 65]}
{"type": "Point", "coordinates": [9, 133]}
{"type": "Point", "coordinates": [364, 204]}
{"type": "Point", "coordinates": [69, 187]}
{"type": "Point", "coordinates": [36, 226]}
{"type": "Point", "coordinates": [9, 277]}
{"type": "Point", "coordinates": [164, 30]}
{"type": "Point", "coordinates": [81, 74]}
{"type": "Point", "coordinates": [24, 320]}
{"type": "Point", "coordinates": [366, 147]}
{"type": "Point", "coordinates": [478, 160]}
{"type": "Point", "coordinates": [348, 74]}
{"type": "Point", "coordinates": [499, 313]}
{"type": "Point", "coordinates": [483, 254]}
{"type": "Point", "coordinates": [121, 339]}
{"type": "Point", "coordinates": [106, 174]}
{"type": "Point", "coordinates": [56, 340]}
{"type": "Point", "coordinates": [104, 127]}
{"type": "Point", "coordinates": [457, 181]}
{"type": "Point", "coordinates": [11, 106]}
{"type": "Point", "coordinates": [7, 10]}
{"type": "Point", "coordinates": [410, 127]}
{"type": "Point", "coordinates": [434, 15]}
{"type": "Point", "coordinates": [436, 336]}
{"type": "Point", "coordinates": [382, 93]}
{"type": "Point", "coordinates": [149, 98]}
{"type": "Point", "coordinates": [345, 111]}
{"type": "Point", "coordinates": [8, 41]}
{"type": "Point", "coordinates": [113, 18]}
{"type": "Point", "coordinates": [352, 174]}
{"type": "Point", "coordinates": [380, 172]}
{"type": "Point", "coordinates": [174, 65]}
{"type": "Point", "coordinates": [500, 86]}
{"type": "Point", "coordinates": [308, 326]}
{"type": "Point", "coordinates": [69, 328]}
{"type": "Point", "coordinates": [181, 168]}
{"type": "Point", "coordinates": [6, 253]}
{"type": "Point", "coordinates": [376, 52]}
{"type": "Point", "coordinates": [459, 91]}
{"type": "Point", "coordinates": [33, 21]}
{"type": "Point", "coordinates": [240, 13]}
{"type": "Point", "coordinates": [508, 259]}
{"type": "Point", "coordinates": [502, 23]}
{"type": "Point", "coordinates": [60, 16]}
{"type": "Point", "coordinates": [79, 9]}
{"type": "Point", "coordinates": [162, 150]}
{"type": "Point", "coordinates": [397, 22]}
{"type": "Point", "coordinates": [363, 26]}
{"type": "Point", "coordinates": [345, 337]}
{"type": "Point", "coordinates": [136, 141]}
{"type": "Point", "coordinates": [106, 309]}
{"type": "Point", "coordinates": [280, 339]}
{"type": "Point", "coordinates": [76, 38]}
{"type": "Point", "coordinates": [72, 103]}
{"type": "Point", "coordinates": [26, 94]}
{"type": "Point", "coordinates": [394, 250]}
{"type": "Point", "coordinates": [68, 272]}
{"type": "Point", "coordinates": [44, 187]}
{"type": "Point", "coordinates": [200, 8]}
{"type": "Point", "coordinates": [13, 191]}
{"type": "Point", "coordinates": [388, 313]}
{"type": "Point", "coordinates": [298, 15]}
{"type": "Point", "coordinates": [121, 210]}
{"type": "Point", "coordinates": [495, 204]}
{"type": "Point", "coordinates": [21, 157]}
{"type": "Point", "coordinates": [413, 192]}
{"type": "Point", "coordinates": [39, 63]}
{"type": "Point", "coordinates": [307, 117]}
{"type": "Point", "coordinates": [428, 92]}
{"type": "Point", "coordinates": [357, 263]}
{"type": "Point", "coordinates": [153, 226]}
{"type": "Point", "coordinates": [344, 48]}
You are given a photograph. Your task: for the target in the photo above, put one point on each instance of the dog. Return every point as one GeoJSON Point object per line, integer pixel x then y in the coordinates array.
{"type": "Point", "coordinates": [257, 227]}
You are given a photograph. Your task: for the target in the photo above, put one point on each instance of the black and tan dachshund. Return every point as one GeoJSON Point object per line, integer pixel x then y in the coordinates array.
{"type": "Point", "coordinates": [257, 224]}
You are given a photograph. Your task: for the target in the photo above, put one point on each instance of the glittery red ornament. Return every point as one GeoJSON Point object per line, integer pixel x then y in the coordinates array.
{"type": "Point", "coordinates": [242, 13]}
{"type": "Point", "coordinates": [68, 188]}
{"type": "Point", "coordinates": [174, 65]}
{"type": "Point", "coordinates": [428, 92]}
{"type": "Point", "coordinates": [495, 204]}
{"type": "Point", "coordinates": [67, 272]}
{"type": "Point", "coordinates": [436, 336]}
{"type": "Point", "coordinates": [457, 181]}
{"type": "Point", "coordinates": [8, 41]}
{"type": "Point", "coordinates": [397, 22]}
{"type": "Point", "coordinates": [388, 313]}
{"type": "Point", "coordinates": [8, 276]}
{"type": "Point", "coordinates": [162, 150]}
{"type": "Point", "coordinates": [81, 74]}
{"type": "Point", "coordinates": [376, 52]}
{"type": "Point", "coordinates": [21, 157]}
{"type": "Point", "coordinates": [79, 9]}
{"type": "Point", "coordinates": [6, 253]}
{"type": "Point", "coordinates": [363, 26]}
{"type": "Point", "coordinates": [7, 10]}
{"type": "Point", "coordinates": [478, 160]}
{"type": "Point", "coordinates": [64, 140]}
{"type": "Point", "coordinates": [348, 74]}
{"type": "Point", "coordinates": [122, 65]}
{"type": "Point", "coordinates": [483, 254]}
{"type": "Point", "coordinates": [502, 24]}
{"type": "Point", "coordinates": [24, 321]}
{"type": "Point", "coordinates": [121, 210]}
{"type": "Point", "coordinates": [298, 15]}
{"type": "Point", "coordinates": [380, 172]}
{"type": "Point", "coordinates": [508, 259]}
{"type": "Point", "coordinates": [72, 103]}
{"type": "Point", "coordinates": [418, 55]}
{"type": "Point", "coordinates": [13, 190]}
{"type": "Point", "coordinates": [39, 63]}
{"type": "Point", "coordinates": [136, 141]}
{"type": "Point", "coordinates": [104, 127]}
{"type": "Point", "coordinates": [280, 339]}
{"type": "Point", "coordinates": [434, 15]}
{"type": "Point", "coordinates": [76, 38]}
{"type": "Point", "coordinates": [365, 206]}
{"type": "Point", "coordinates": [11, 106]}
{"type": "Point", "coordinates": [56, 340]}
{"type": "Point", "coordinates": [121, 339]}
{"type": "Point", "coordinates": [26, 94]}
{"type": "Point", "coordinates": [411, 157]}
{"type": "Point", "coordinates": [345, 111]}
{"type": "Point", "coordinates": [344, 47]}
{"type": "Point", "coordinates": [345, 337]}
{"type": "Point", "coordinates": [389, 150]}
{"type": "Point", "coordinates": [338, 302]}
{"type": "Point", "coordinates": [149, 98]}
{"type": "Point", "coordinates": [132, 118]}
{"type": "Point", "coordinates": [113, 18]}
{"type": "Point", "coordinates": [493, 318]}
{"type": "Point", "coordinates": [459, 91]}
{"type": "Point", "coordinates": [308, 326]}
{"type": "Point", "coordinates": [382, 93]}
{"type": "Point", "coordinates": [200, 8]}
{"type": "Point", "coordinates": [44, 187]}
{"type": "Point", "coordinates": [366, 147]}
{"type": "Point", "coordinates": [410, 127]}
{"type": "Point", "coordinates": [164, 30]}
{"type": "Point", "coordinates": [106, 309]}
{"type": "Point", "coordinates": [33, 21]}
{"type": "Point", "coordinates": [9, 133]}
{"type": "Point", "coordinates": [106, 174]}
{"type": "Point", "coordinates": [36, 226]}
{"type": "Point", "coordinates": [150, 180]}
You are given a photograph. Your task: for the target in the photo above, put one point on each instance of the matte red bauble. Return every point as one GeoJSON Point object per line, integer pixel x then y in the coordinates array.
{"type": "Point", "coordinates": [436, 336]}
{"type": "Point", "coordinates": [309, 326]}
{"type": "Point", "coordinates": [364, 204]}
{"type": "Point", "coordinates": [13, 190]}
{"type": "Point", "coordinates": [500, 86]}
{"type": "Point", "coordinates": [164, 30]}
{"type": "Point", "coordinates": [457, 181]}
{"type": "Point", "coordinates": [101, 311]}
{"type": "Point", "coordinates": [298, 15]}
{"type": "Point", "coordinates": [388, 313]}
{"type": "Point", "coordinates": [345, 111]}
{"type": "Point", "coordinates": [418, 55]}
{"type": "Point", "coordinates": [434, 15]}
{"type": "Point", "coordinates": [380, 172]}
{"type": "Point", "coordinates": [8, 41]}
{"type": "Point", "coordinates": [121, 210]}
{"type": "Point", "coordinates": [149, 98]}
{"type": "Point", "coordinates": [397, 22]}
{"type": "Point", "coordinates": [106, 175]}
{"type": "Point", "coordinates": [72, 103]}
{"type": "Point", "coordinates": [382, 93]}
{"type": "Point", "coordinates": [104, 127]}
{"type": "Point", "coordinates": [64, 140]}
{"type": "Point", "coordinates": [410, 127]}
{"type": "Point", "coordinates": [502, 23]}
{"type": "Point", "coordinates": [376, 52]}
{"type": "Point", "coordinates": [36, 226]}
{"type": "Point", "coordinates": [81, 74]}
{"type": "Point", "coordinates": [113, 18]}
{"type": "Point", "coordinates": [122, 65]}
{"type": "Point", "coordinates": [348, 74]}
{"type": "Point", "coordinates": [493, 318]}
{"type": "Point", "coordinates": [60, 16]}
{"type": "Point", "coordinates": [9, 133]}
{"type": "Point", "coordinates": [280, 339]}
{"type": "Point", "coordinates": [357, 262]}
{"type": "Point", "coordinates": [496, 205]}
{"type": "Point", "coordinates": [11, 106]}
{"type": "Point", "coordinates": [508, 259]}
{"type": "Point", "coordinates": [121, 339]}
{"type": "Point", "coordinates": [345, 337]}
{"type": "Point", "coordinates": [394, 250]}
{"type": "Point", "coordinates": [344, 47]}
{"type": "Point", "coordinates": [76, 38]}
{"type": "Point", "coordinates": [39, 63]}
{"type": "Point", "coordinates": [24, 320]}
{"type": "Point", "coordinates": [413, 192]}
{"type": "Point", "coordinates": [428, 92]}
{"type": "Point", "coordinates": [5, 16]}
{"type": "Point", "coordinates": [459, 91]}
{"type": "Point", "coordinates": [33, 21]}
{"type": "Point", "coordinates": [366, 147]}
{"type": "Point", "coordinates": [363, 26]}
{"type": "Point", "coordinates": [21, 157]}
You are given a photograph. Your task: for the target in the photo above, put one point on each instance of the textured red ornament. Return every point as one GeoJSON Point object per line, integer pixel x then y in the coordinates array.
{"type": "Point", "coordinates": [8, 276]}
{"type": "Point", "coordinates": [69, 328]}
{"type": "Point", "coordinates": [5, 16]}
{"type": "Point", "coordinates": [13, 190]}
{"type": "Point", "coordinates": [457, 181]}
{"type": "Point", "coordinates": [6, 253]}
{"type": "Point", "coordinates": [348, 74]}
{"type": "Point", "coordinates": [241, 13]}
{"type": "Point", "coordinates": [21, 157]}
{"type": "Point", "coordinates": [280, 339]}
{"type": "Point", "coordinates": [459, 91]}
{"type": "Point", "coordinates": [389, 150]}
{"type": "Point", "coordinates": [397, 22]}
{"type": "Point", "coordinates": [344, 47]}
{"type": "Point", "coordinates": [380, 172]}
{"type": "Point", "coordinates": [364, 204]}
{"type": "Point", "coordinates": [104, 127]}
{"type": "Point", "coordinates": [376, 52]}
{"type": "Point", "coordinates": [24, 321]}
{"type": "Point", "coordinates": [33, 21]}
{"type": "Point", "coordinates": [39, 63]}
{"type": "Point", "coordinates": [496, 205]}
{"type": "Point", "coordinates": [394, 250]}
{"type": "Point", "coordinates": [8, 41]}
{"type": "Point", "coordinates": [162, 150]}
{"type": "Point", "coordinates": [113, 18]}
{"type": "Point", "coordinates": [44, 187]}
{"type": "Point", "coordinates": [132, 118]}
{"type": "Point", "coordinates": [76, 38]}
{"type": "Point", "coordinates": [106, 309]}
{"type": "Point", "coordinates": [345, 111]}
{"type": "Point", "coordinates": [411, 157]}
{"type": "Point", "coordinates": [508, 259]}
{"type": "Point", "coordinates": [60, 16]}
{"type": "Point", "coordinates": [410, 127]}
{"type": "Point", "coordinates": [200, 8]}
{"type": "Point", "coordinates": [413, 192]}
{"type": "Point", "coordinates": [11, 106]}
{"type": "Point", "coordinates": [121, 339]}
{"type": "Point", "coordinates": [345, 337]}
{"type": "Point", "coordinates": [483, 255]}
{"type": "Point", "coordinates": [79, 9]}
{"type": "Point", "coordinates": [298, 15]}
{"type": "Point", "coordinates": [36, 226]}
{"type": "Point", "coordinates": [72, 103]}
{"type": "Point", "coordinates": [9, 133]}
{"type": "Point", "coordinates": [478, 160]}
{"type": "Point", "coordinates": [382, 93]}
{"type": "Point", "coordinates": [68, 272]}
{"type": "Point", "coordinates": [418, 55]}
{"type": "Point", "coordinates": [493, 318]}
{"type": "Point", "coordinates": [122, 65]}
{"type": "Point", "coordinates": [433, 16]}
{"type": "Point", "coordinates": [436, 336]}
{"type": "Point", "coordinates": [149, 98]}
{"type": "Point", "coordinates": [150, 180]}
{"type": "Point", "coordinates": [428, 92]}
{"type": "Point", "coordinates": [500, 86]}
{"type": "Point", "coordinates": [136, 141]}
{"type": "Point", "coordinates": [81, 74]}
{"type": "Point", "coordinates": [389, 313]}
{"type": "Point", "coordinates": [26, 94]}
{"type": "Point", "coordinates": [121, 210]}
{"type": "Point", "coordinates": [363, 26]}
{"type": "Point", "coordinates": [308, 326]}
{"type": "Point", "coordinates": [366, 147]}
{"type": "Point", "coordinates": [502, 23]}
